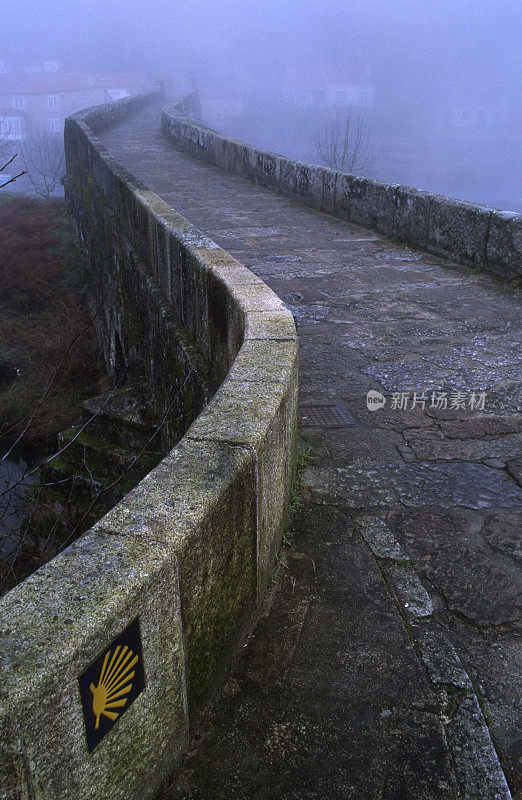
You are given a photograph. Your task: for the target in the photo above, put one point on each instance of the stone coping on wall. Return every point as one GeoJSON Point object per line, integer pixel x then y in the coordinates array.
{"type": "Point", "coordinates": [188, 552]}
{"type": "Point", "coordinates": [468, 233]}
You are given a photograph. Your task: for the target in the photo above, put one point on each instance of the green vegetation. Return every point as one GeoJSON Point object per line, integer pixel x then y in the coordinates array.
{"type": "Point", "coordinates": [304, 456]}
{"type": "Point", "coordinates": [48, 356]}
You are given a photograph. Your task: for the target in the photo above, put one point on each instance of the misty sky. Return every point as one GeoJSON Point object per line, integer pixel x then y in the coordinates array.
{"type": "Point", "coordinates": [457, 43]}
{"type": "Point", "coordinates": [429, 58]}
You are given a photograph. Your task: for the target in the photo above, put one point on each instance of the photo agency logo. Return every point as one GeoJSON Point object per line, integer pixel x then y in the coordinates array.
{"type": "Point", "coordinates": [375, 400]}
{"type": "Point", "coordinates": [434, 400]}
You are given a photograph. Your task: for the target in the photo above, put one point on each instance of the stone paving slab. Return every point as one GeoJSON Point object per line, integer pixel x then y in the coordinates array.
{"type": "Point", "coordinates": [386, 661]}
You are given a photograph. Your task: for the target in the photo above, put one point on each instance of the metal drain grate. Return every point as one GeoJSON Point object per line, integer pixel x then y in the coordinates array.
{"type": "Point", "coordinates": [325, 415]}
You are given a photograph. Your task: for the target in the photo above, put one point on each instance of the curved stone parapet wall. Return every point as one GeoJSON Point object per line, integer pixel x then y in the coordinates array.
{"type": "Point", "coordinates": [467, 233]}
{"type": "Point", "coordinates": [190, 550]}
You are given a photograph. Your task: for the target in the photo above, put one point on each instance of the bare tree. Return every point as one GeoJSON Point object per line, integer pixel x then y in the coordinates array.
{"type": "Point", "coordinates": [6, 159]}
{"type": "Point", "coordinates": [342, 144]}
{"type": "Point", "coordinates": [44, 158]}
{"type": "Point", "coordinates": [12, 178]}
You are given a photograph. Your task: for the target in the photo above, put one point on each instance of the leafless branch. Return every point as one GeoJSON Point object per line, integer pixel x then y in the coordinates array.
{"type": "Point", "coordinates": [43, 156]}
{"type": "Point", "coordinates": [30, 544]}
{"type": "Point", "coordinates": [342, 144]}
{"type": "Point", "coordinates": [29, 417]}
{"type": "Point", "coordinates": [15, 177]}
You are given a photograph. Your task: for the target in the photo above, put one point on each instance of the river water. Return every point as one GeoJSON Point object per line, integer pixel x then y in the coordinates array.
{"type": "Point", "coordinates": [17, 473]}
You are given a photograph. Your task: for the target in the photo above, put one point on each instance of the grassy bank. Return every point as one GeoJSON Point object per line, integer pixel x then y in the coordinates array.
{"type": "Point", "coordinates": [48, 356]}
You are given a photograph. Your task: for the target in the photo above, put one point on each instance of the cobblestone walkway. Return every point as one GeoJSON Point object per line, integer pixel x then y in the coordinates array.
{"type": "Point", "coordinates": [391, 633]}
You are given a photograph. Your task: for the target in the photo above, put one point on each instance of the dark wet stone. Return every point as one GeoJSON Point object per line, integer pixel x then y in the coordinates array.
{"type": "Point", "coordinates": [420, 768]}
{"type": "Point", "coordinates": [494, 463]}
{"type": "Point", "coordinates": [479, 427]}
{"type": "Point", "coordinates": [333, 564]}
{"type": "Point", "coordinates": [469, 558]}
{"type": "Point", "coordinates": [515, 470]}
{"type": "Point", "coordinates": [493, 659]}
{"type": "Point", "coordinates": [432, 446]}
{"type": "Point", "coordinates": [504, 244]}
{"type": "Point", "coordinates": [354, 487]}
{"type": "Point", "coordinates": [478, 769]}
{"type": "Point", "coordinates": [338, 657]}
{"type": "Point", "coordinates": [279, 747]}
{"type": "Point", "coordinates": [454, 484]}
{"type": "Point", "coordinates": [440, 657]}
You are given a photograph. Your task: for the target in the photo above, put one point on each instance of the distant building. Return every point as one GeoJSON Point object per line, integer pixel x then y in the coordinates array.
{"type": "Point", "coordinates": [473, 114]}
{"type": "Point", "coordinates": [35, 98]}
{"type": "Point", "coordinates": [329, 86]}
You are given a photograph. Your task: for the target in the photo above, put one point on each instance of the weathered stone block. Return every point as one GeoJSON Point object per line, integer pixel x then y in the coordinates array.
{"type": "Point", "coordinates": [261, 415]}
{"type": "Point", "coordinates": [504, 245]}
{"type": "Point", "coordinates": [208, 145]}
{"type": "Point", "coordinates": [220, 152]}
{"type": "Point", "coordinates": [269, 325]}
{"type": "Point", "coordinates": [137, 222]}
{"type": "Point", "coordinates": [163, 256]}
{"type": "Point", "coordinates": [226, 323]}
{"type": "Point", "coordinates": [412, 213]}
{"type": "Point", "coordinates": [259, 297]}
{"type": "Point", "coordinates": [234, 156]}
{"type": "Point", "coordinates": [458, 230]}
{"type": "Point", "coordinates": [53, 625]}
{"type": "Point", "coordinates": [343, 188]}
{"type": "Point", "coordinates": [372, 204]}
{"type": "Point", "coordinates": [270, 171]}
{"type": "Point", "coordinates": [287, 177]}
{"type": "Point", "coordinates": [104, 175]}
{"type": "Point", "coordinates": [309, 185]}
{"type": "Point", "coordinates": [230, 271]}
{"type": "Point", "coordinates": [200, 502]}
{"type": "Point", "coordinates": [250, 157]}
{"type": "Point", "coordinates": [195, 299]}
{"type": "Point", "coordinates": [256, 159]}
{"type": "Point", "coordinates": [328, 199]}
{"type": "Point", "coordinates": [266, 360]}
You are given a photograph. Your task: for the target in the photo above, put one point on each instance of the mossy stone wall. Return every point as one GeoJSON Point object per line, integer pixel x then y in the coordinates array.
{"type": "Point", "coordinates": [190, 549]}
{"type": "Point", "coordinates": [470, 234]}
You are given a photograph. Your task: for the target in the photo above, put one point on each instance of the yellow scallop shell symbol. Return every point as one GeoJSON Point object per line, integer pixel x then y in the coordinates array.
{"type": "Point", "coordinates": [115, 683]}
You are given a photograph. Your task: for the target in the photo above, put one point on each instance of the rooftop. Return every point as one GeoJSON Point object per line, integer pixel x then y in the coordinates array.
{"type": "Point", "coordinates": [57, 82]}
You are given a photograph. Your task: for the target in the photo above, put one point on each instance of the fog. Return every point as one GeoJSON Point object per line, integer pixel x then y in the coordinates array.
{"type": "Point", "coordinates": [443, 77]}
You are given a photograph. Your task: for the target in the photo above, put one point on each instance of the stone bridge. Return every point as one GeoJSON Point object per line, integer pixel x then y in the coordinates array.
{"type": "Point", "coordinates": [383, 662]}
